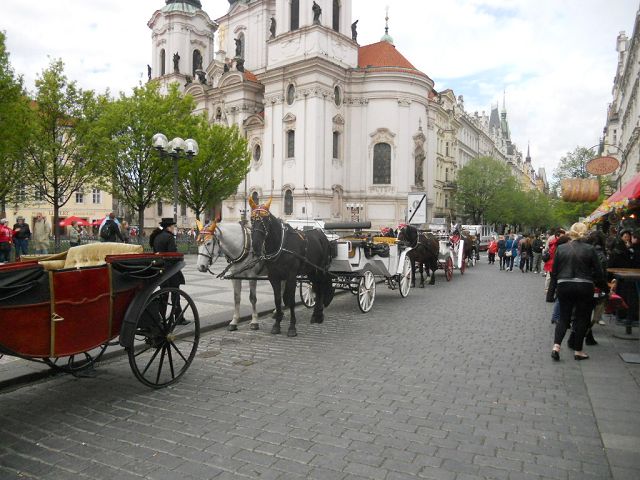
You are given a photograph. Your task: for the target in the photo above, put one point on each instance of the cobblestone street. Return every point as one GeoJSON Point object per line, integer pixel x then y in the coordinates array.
{"type": "Point", "coordinates": [455, 382]}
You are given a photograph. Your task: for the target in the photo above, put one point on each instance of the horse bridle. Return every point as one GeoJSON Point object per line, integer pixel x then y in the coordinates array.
{"type": "Point", "coordinates": [255, 217]}
{"type": "Point", "coordinates": [246, 248]}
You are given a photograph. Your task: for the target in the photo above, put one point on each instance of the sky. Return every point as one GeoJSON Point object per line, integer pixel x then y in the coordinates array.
{"type": "Point", "coordinates": [552, 60]}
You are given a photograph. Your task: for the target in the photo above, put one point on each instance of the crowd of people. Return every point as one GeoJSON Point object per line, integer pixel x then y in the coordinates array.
{"type": "Point", "coordinates": [520, 251]}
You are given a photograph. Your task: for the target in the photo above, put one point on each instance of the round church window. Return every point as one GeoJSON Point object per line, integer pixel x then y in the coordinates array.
{"type": "Point", "coordinates": [337, 96]}
{"type": "Point", "coordinates": [257, 153]}
{"type": "Point", "coordinates": [291, 94]}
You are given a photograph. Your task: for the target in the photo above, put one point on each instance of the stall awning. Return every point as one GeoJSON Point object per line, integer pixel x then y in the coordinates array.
{"type": "Point", "coordinates": [620, 199]}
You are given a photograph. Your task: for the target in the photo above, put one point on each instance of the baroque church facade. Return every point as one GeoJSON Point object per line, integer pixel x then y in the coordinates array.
{"type": "Point", "coordinates": [338, 131]}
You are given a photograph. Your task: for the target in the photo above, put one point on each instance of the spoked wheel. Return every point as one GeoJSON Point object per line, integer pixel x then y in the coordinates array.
{"type": "Point", "coordinates": [76, 364]}
{"type": "Point", "coordinates": [166, 338]}
{"type": "Point", "coordinates": [448, 269]}
{"type": "Point", "coordinates": [405, 279]}
{"type": "Point", "coordinates": [307, 294]}
{"type": "Point", "coordinates": [366, 292]}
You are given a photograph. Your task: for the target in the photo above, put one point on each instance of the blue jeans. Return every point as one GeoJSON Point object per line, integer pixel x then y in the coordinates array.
{"type": "Point", "coordinates": [555, 315]}
{"type": "Point", "coordinates": [22, 246]}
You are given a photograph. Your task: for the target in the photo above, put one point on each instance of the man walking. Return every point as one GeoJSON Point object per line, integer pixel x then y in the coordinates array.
{"type": "Point", "coordinates": [21, 236]}
{"type": "Point", "coordinates": [110, 229]}
{"type": "Point", "coordinates": [41, 235]}
{"type": "Point", "coordinates": [536, 247]}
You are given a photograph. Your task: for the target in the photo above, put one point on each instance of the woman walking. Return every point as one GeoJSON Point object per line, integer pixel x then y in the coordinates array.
{"type": "Point", "coordinates": [576, 269]}
{"type": "Point", "coordinates": [492, 250]}
{"type": "Point", "coordinates": [502, 248]}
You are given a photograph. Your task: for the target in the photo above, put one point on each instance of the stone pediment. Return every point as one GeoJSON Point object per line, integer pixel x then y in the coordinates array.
{"type": "Point", "coordinates": [254, 121]}
{"type": "Point", "coordinates": [289, 118]}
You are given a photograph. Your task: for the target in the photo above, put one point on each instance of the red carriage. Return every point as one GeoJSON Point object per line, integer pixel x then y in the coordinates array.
{"type": "Point", "coordinates": [64, 311]}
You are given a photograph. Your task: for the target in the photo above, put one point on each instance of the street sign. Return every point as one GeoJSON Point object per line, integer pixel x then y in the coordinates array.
{"type": "Point", "coordinates": [602, 166]}
{"type": "Point", "coordinates": [417, 208]}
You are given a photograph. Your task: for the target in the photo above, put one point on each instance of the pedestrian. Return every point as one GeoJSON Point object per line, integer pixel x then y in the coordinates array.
{"type": "Point", "coordinates": [126, 232]}
{"type": "Point", "coordinates": [512, 251]}
{"type": "Point", "coordinates": [597, 239]}
{"type": "Point", "coordinates": [536, 250]}
{"type": "Point", "coordinates": [74, 234]}
{"type": "Point", "coordinates": [502, 249]}
{"type": "Point", "coordinates": [492, 250]}
{"type": "Point", "coordinates": [110, 229]}
{"type": "Point", "coordinates": [576, 270]}
{"type": "Point", "coordinates": [162, 240]}
{"type": "Point", "coordinates": [21, 236]}
{"type": "Point", "coordinates": [551, 249]}
{"type": "Point", "coordinates": [41, 235]}
{"type": "Point", "coordinates": [623, 255]}
{"type": "Point", "coordinates": [523, 253]}
{"type": "Point", "coordinates": [6, 241]}
{"type": "Point", "coordinates": [555, 314]}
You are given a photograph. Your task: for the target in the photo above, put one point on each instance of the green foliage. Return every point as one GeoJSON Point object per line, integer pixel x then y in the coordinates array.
{"type": "Point", "coordinates": [14, 110]}
{"type": "Point", "coordinates": [60, 148]}
{"type": "Point", "coordinates": [486, 191]}
{"type": "Point", "coordinates": [573, 165]}
{"type": "Point", "coordinates": [217, 170]}
{"type": "Point", "coordinates": [130, 168]}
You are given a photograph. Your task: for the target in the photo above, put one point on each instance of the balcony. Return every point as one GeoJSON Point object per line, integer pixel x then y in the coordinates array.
{"type": "Point", "coordinates": [451, 186]}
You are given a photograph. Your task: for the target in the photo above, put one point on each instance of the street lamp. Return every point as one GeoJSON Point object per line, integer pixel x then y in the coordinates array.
{"type": "Point", "coordinates": [176, 149]}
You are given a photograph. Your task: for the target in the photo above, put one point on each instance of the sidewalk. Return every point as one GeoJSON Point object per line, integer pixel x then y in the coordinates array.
{"type": "Point", "coordinates": [213, 298]}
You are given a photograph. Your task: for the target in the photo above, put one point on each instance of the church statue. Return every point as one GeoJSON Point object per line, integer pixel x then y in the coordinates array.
{"type": "Point", "coordinates": [149, 72]}
{"type": "Point", "coordinates": [187, 80]}
{"type": "Point", "coordinates": [354, 31]}
{"type": "Point", "coordinates": [202, 76]}
{"type": "Point", "coordinates": [419, 176]}
{"type": "Point", "coordinates": [176, 63]}
{"type": "Point", "coordinates": [226, 68]}
{"type": "Point", "coordinates": [238, 47]}
{"type": "Point", "coordinates": [317, 11]}
{"type": "Point", "coordinates": [240, 65]}
{"type": "Point", "coordinates": [272, 28]}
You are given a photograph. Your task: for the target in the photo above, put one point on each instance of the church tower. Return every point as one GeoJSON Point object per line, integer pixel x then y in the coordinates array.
{"type": "Point", "coordinates": [182, 41]}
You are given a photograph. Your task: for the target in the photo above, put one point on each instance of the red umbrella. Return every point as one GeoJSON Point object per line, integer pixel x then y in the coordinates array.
{"type": "Point", "coordinates": [69, 220]}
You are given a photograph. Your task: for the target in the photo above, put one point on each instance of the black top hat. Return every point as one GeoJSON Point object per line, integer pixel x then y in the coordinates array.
{"type": "Point", "coordinates": [167, 222]}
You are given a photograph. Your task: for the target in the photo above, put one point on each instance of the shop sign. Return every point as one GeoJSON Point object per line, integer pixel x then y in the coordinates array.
{"type": "Point", "coordinates": [602, 166]}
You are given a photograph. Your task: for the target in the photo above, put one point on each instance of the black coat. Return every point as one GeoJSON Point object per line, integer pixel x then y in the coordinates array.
{"type": "Point", "coordinates": [21, 232]}
{"type": "Point", "coordinates": [165, 242]}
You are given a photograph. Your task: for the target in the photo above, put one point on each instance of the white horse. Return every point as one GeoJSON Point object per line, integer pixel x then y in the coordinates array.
{"type": "Point", "coordinates": [233, 240]}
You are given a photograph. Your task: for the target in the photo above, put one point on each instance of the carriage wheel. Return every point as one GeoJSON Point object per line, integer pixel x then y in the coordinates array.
{"type": "Point", "coordinates": [448, 269]}
{"type": "Point", "coordinates": [76, 364]}
{"type": "Point", "coordinates": [405, 279]}
{"type": "Point", "coordinates": [166, 338]}
{"type": "Point", "coordinates": [366, 292]}
{"type": "Point", "coordinates": [307, 294]}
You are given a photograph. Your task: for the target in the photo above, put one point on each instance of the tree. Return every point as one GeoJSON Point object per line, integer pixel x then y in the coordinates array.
{"type": "Point", "coordinates": [574, 164]}
{"type": "Point", "coordinates": [14, 110]}
{"type": "Point", "coordinates": [130, 169]}
{"type": "Point", "coordinates": [486, 190]}
{"type": "Point", "coordinates": [60, 148]}
{"type": "Point", "coordinates": [217, 170]}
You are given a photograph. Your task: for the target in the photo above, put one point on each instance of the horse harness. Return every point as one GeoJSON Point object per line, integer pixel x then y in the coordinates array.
{"type": "Point", "coordinates": [246, 248]}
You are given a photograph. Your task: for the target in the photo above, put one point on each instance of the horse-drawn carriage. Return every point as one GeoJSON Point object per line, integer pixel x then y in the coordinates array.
{"type": "Point", "coordinates": [65, 310]}
{"type": "Point", "coordinates": [359, 261]}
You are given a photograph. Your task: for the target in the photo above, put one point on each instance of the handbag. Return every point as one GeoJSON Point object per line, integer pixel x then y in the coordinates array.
{"type": "Point", "coordinates": [546, 256]}
{"type": "Point", "coordinates": [508, 253]}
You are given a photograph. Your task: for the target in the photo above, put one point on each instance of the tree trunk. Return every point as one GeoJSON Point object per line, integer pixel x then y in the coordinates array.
{"type": "Point", "coordinates": [54, 227]}
{"type": "Point", "coordinates": [141, 219]}
{"type": "Point", "coordinates": [3, 208]}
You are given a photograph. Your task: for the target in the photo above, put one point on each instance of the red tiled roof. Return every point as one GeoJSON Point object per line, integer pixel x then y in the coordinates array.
{"type": "Point", "coordinates": [382, 54]}
{"type": "Point", "coordinates": [248, 75]}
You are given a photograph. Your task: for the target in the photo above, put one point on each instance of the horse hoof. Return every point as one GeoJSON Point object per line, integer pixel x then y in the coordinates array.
{"type": "Point", "coordinates": [317, 319]}
{"type": "Point", "coordinates": [292, 333]}
{"type": "Point", "coordinates": [232, 328]}
{"type": "Point", "coordinates": [275, 330]}
{"type": "Point", "coordinates": [422, 285]}
{"type": "Point", "coordinates": [254, 326]}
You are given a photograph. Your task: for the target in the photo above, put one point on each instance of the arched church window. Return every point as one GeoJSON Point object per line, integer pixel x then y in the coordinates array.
{"type": "Point", "coordinates": [291, 144]}
{"type": "Point", "coordinates": [291, 94]}
{"type": "Point", "coordinates": [382, 164]}
{"type": "Point", "coordinates": [336, 145]}
{"type": "Point", "coordinates": [257, 153]}
{"type": "Point", "coordinates": [288, 202]}
{"type": "Point", "coordinates": [337, 96]}
{"type": "Point", "coordinates": [163, 62]}
{"type": "Point", "coordinates": [255, 197]}
{"type": "Point", "coordinates": [336, 15]}
{"type": "Point", "coordinates": [295, 15]}
{"type": "Point", "coordinates": [197, 61]}
{"type": "Point", "coordinates": [241, 45]}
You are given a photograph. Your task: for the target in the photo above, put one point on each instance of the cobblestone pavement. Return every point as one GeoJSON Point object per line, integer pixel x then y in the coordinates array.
{"type": "Point", "coordinates": [454, 382]}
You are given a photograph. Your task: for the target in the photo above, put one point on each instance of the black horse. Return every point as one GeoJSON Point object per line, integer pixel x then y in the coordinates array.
{"type": "Point", "coordinates": [425, 250]}
{"type": "Point", "coordinates": [288, 253]}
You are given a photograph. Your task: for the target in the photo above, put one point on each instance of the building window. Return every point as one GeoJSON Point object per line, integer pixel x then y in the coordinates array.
{"type": "Point", "coordinates": [183, 210]}
{"type": "Point", "coordinates": [446, 201]}
{"type": "Point", "coordinates": [295, 14]}
{"type": "Point", "coordinates": [257, 153]}
{"type": "Point", "coordinates": [447, 150]}
{"type": "Point", "coordinates": [21, 194]}
{"type": "Point", "coordinates": [336, 145]}
{"type": "Point", "coordinates": [79, 197]}
{"type": "Point", "coordinates": [446, 175]}
{"type": "Point", "coordinates": [255, 197]}
{"type": "Point", "coordinates": [291, 144]}
{"type": "Point", "coordinates": [159, 208]}
{"type": "Point", "coordinates": [197, 61]}
{"type": "Point", "coordinates": [96, 195]}
{"type": "Point", "coordinates": [288, 202]}
{"type": "Point", "coordinates": [382, 164]}
{"type": "Point", "coordinates": [163, 62]}
{"type": "Point", "coordinates": [291, 94]}
{"type": "Point", "coordinates": [39, 194]}
{"type": "Point", "coordinates": [337, 96]}
{"type": "Point", "coordinates": [336, 15]}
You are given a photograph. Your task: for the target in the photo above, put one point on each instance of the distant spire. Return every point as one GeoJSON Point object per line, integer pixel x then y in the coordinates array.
{"type": "Point", "coordinates": [386, 37]}
{"type": "Point", "coordinates": [528, 159]}
{"type": "Point", "coordinates": [504, 100]}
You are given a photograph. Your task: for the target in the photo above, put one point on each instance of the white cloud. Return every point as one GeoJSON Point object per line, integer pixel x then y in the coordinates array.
{"type": "Point", "coordinates": [556, 59]}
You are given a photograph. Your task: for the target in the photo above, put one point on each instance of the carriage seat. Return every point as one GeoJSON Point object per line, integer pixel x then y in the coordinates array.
{"type": "Point", "coordinates": [90, 255]}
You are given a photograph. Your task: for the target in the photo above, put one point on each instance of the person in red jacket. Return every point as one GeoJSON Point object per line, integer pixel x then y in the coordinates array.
{"type": "Point", "coordinates": [6, 241]}
{"type": "Point", "coordinates": [492, 250]}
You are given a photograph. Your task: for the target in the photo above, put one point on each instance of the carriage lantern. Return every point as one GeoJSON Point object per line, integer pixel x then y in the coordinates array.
{"type": "Point", "coordinates": [176, 149]}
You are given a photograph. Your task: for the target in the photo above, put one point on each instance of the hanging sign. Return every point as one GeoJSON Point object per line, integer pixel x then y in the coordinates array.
{"type": "Point", "coordinates": [602, 166]}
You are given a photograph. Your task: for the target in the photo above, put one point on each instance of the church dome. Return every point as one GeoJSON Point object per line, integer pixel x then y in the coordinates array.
{"type": "Point", "coordinates": [188, 6]}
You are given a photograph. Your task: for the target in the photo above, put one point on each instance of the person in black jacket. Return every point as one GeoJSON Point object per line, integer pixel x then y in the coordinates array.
{"type": "Point", "coordinates": [21, 236]}
{"type": "Point", "coordinates": [576, 269]}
